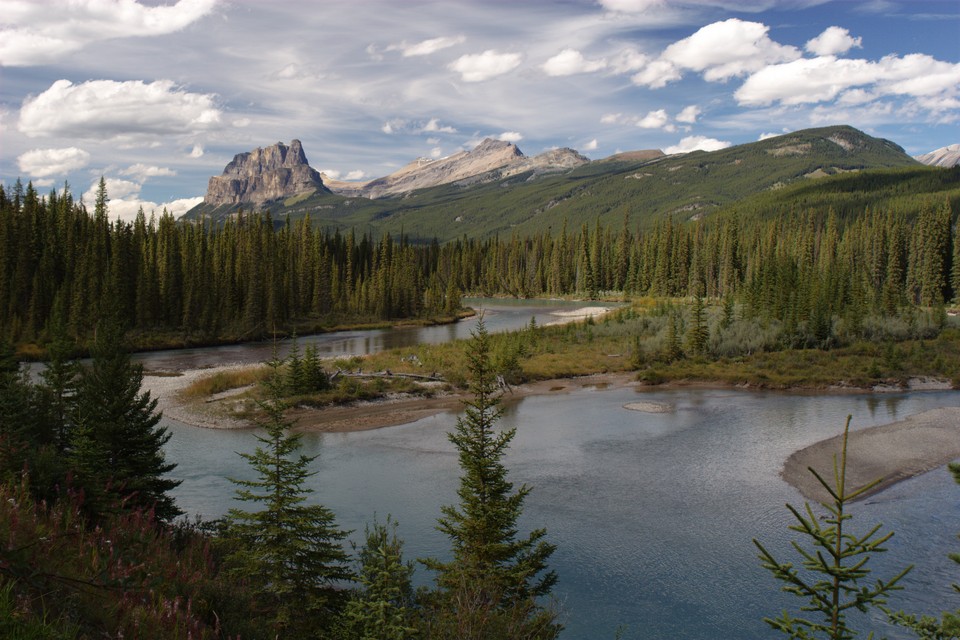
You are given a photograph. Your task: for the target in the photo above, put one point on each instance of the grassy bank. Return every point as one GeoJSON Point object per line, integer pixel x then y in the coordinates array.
{"type": "Point", "coordinates": [653, 340]}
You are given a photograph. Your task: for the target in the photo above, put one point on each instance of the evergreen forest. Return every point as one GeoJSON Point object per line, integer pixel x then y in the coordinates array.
{"type": "Point", "coordinates": [94, 545]}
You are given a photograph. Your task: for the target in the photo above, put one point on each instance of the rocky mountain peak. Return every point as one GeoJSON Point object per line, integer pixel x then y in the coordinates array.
{"type": "Point", "coordinates": [264, 174]}
{"type": "Point", "coordinates": [490, 145]}
{"type": "Point", "coordinates": [948, 156]}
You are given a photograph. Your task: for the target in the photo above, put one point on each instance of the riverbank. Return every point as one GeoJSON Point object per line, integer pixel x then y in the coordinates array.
{"type": "Point", "coordinates": [393, 410]}
{"type": "Point", "coordinates": [893, 452]}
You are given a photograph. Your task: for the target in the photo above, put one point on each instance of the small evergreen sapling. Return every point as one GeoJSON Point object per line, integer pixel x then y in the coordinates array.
{"type": "Point", "coordinates": [834, 580]}
{"type": "Point", "coordinates": [290, 553]}
{"type": "Point", "coordinates": [383, 609]}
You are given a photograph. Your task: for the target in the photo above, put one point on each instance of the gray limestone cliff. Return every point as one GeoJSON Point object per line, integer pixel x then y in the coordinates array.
{"type": "Point", "coordinates": [263, 175]}
{"type": "Point", "coordinates": [948, 156]}
{"type": "Point", "coordinates": [489, 160]}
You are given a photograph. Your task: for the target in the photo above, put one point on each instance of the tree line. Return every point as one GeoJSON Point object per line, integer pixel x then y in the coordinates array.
{"type": "Point", "coordinates": [243, 279]}
{"type": "Point", "coordinates": [251, 275]}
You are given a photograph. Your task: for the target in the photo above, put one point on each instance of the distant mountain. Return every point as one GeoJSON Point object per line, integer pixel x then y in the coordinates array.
{"type": "Point", "coordinates": [943, 157]}
{"type": "Point", "coordinates": [488, 161]}
{"type": "Point", "coordinates": [494, 189]}
{"type": "Point", "coordinates": [263, 175]}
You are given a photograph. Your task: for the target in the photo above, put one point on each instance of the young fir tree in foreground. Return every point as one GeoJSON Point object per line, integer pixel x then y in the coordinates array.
{"type": "Point", "coordinates": [384, 607]}
{"type": "Point", "coordinates": [116, 446]}
{"type": "Point", "coordinates": [489, 590]}
{"type": "Point", "coordinates": [289, 553]}
{"type": "Point", "coordinates": [835, 572]}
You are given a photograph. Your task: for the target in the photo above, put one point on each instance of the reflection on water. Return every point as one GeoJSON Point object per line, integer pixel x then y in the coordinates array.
{"type": "Point", "coordinates": [499, 315]}
{"type": "Point", "coordinates": [652, 514]}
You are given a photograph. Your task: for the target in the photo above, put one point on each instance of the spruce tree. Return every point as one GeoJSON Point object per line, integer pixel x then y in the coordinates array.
{"type": "Point", "coordinates": [698, 336]}
{"type": "Point", "coordinates": [383, 609]}
{"type": "Point", "coordinates": [120, 428]}
{"type": "Point", "coordinates": [289, 552]}
{"type": "Point", "coordinates": [490, 587]}
{"type": "Point", "coordinates": [835, 572]}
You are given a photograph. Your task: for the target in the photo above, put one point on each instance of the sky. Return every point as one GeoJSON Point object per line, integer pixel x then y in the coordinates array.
{"type": "Point", "coordinates": [157, 96]}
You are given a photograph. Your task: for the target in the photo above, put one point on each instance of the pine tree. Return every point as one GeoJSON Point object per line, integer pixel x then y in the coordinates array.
{"type": "Point", "coordinates": [383, 610]}
{"type": "Point", "coordinates": [490, 587]}
{"type": "Point", "coordinates": [833, 583]}
{"type": "Point", "coordinates": [290, 553]}
{"type": "Point", "coordinates": [698, 336]}
{"type": "Point", "coordinates": [121, 430]}
{"type": "Point", "coordinates": [672, 349]}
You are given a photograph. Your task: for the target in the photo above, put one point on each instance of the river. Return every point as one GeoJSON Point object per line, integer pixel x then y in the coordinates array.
{"type": "Point", "coordinates": [652, 513]}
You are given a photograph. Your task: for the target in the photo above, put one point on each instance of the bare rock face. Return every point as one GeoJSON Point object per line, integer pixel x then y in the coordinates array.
{"type": "Point", "coordinates": [263, 175]}
{"type": "Point", "coordinates": [489, 160]}
{"type": "Point", "coordinates": [948, 156]}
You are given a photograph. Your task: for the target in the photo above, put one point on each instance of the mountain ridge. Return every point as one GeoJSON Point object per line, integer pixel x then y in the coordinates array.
{"type": "Point", "coordinates": [642, 186]}
{"type": "Point", "coordinates": [948, 156]}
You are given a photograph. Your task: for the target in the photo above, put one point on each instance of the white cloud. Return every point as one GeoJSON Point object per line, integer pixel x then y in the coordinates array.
{"type": "Point", "coordinates": [590, 146]}
{"type": "Point", "coordinates": [427, 47]}
{"type": "Point", "coordinates": [656, 120]}
{"type": "Point", "coordinates": [434, 126]}
{"type": "Point", "coordinates": [241, 123]}
{"type": "Point", "coordinates": [569, 62]}
{"type": "Point", "coordinates": [42, 32]}
{"type": "Point", "coordinates": [436, 152]}
{"type": "Point", "coordinates": [107, 110]}
{"type": "Point", "coordinates": [630, 6]}
{"type": "Point", "coordinates": [628, 61]}
{"type": "Point", "coordinates": [767, 136]}
{"type": "Point", "coordinates": [123, 200]}
{"type": "Point", "coordinates": [832, 41]}
{"type": "Point", "coordinates": [142, 171]}
{"type": "Point", "coordinates": [657, 74]}
{"type": "Point", "coordinates": [486, 65]}
{"type": "Point", "coordinates": [510, 136]}
{"type": "Point", "coordinates": [180, 206]}
{"type": "Point", "coordinates": [689, 114]}
{"type": "Point", "coordinates": [822, 79]}
{"type": "Point", "coordinates": [611, 118]}
{"type": "Point", "coordinates": [43, 182]}
{"type": "Point", "coordinates": [52, 162]}
{"type": "Point", "coordinates": [697, 143]}
{"type": "Point", "coordinates": [197, 151]}
{"type": "Point", "coordinates": [387, 128]}
{"type": "Point", "coordinates": [334, 174]}
{"type": "Point", "coordinates": [723, 50]}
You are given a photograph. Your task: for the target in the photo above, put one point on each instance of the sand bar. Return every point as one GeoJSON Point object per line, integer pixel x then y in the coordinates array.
{"type": "Point", "coordinates": [356, 416]}
{"type": "Point", "coordinates": [893, 452]}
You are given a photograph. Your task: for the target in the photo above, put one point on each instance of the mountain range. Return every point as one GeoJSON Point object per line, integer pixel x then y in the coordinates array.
{"type": "Point", "coordinates": [948, 156]}
{"type": "Point", "coordinates": [495, 188]}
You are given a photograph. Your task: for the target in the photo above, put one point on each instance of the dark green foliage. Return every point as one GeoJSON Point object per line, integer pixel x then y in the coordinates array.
{"type": "Point", "coordinates": [116, 444]}
{"type": "Point", "coordinates": [289, 553]}
{"type": "Point", "coordinates": [833, 581]}
{"type": "Point", "coordinates": [383, 609]}
{"type": "Point", "coordinates": [698, 335]}
{"type": "Point", "coordinates": [490, 587]}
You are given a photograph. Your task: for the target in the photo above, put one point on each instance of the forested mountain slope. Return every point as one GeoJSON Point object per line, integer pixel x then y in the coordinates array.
{"type": "Point", "coordinates": [686, 186]}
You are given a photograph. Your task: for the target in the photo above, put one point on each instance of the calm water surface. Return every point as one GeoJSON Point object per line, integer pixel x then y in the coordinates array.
{"type": "Point", "coordinates": [652, 514]}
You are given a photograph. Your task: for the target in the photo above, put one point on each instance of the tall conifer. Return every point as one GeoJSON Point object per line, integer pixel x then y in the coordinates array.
{"type": "Point", "coordinates": [490, 587]}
